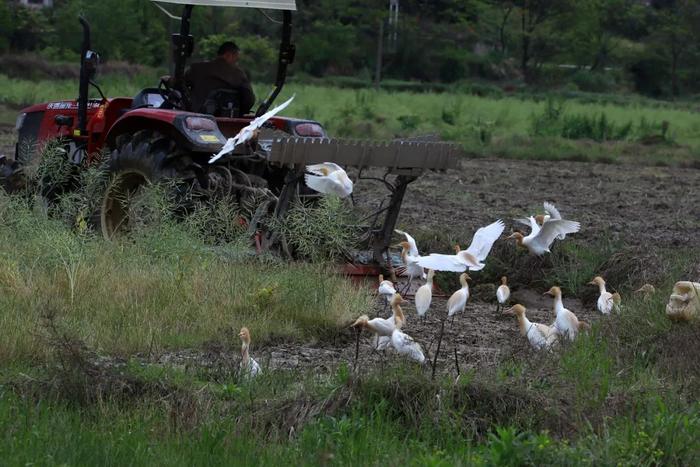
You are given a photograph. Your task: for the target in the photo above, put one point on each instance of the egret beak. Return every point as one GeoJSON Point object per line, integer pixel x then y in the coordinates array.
{"type": "Point", "coordinates": [512, 236]}
{"type": "Point", "coordinates": [509, 311]}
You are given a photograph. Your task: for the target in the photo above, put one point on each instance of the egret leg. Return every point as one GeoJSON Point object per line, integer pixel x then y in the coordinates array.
{"type": "Point", "coordinates": [437, 351]}
{"type": "Point", "coordinates": [358, 330]}
{"type": "Point", "coordinates": [456, 361]}
{"type": "Point", "coordinates": [408, 286]}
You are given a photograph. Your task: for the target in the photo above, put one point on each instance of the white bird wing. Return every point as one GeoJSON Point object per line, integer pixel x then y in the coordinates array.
{"type": "Point", "coordinates": [254, 368]}
{"type": "Point", "coordinates": [386, 288]}
{"type": "Point", "coordinates": [413, 248]}
{"type": "Point", "coordinates": [250, 370]}
{"type": "Point", "coordinates": [537, 335]}
{"type": "Point", "coordinates": [405, 345]}
{"type": "Point", "coordinates": [329, 166]}
{"type": "Point", "coordinates": [381, 326]}
{"type": "Point", "coordinates": [423, 298]}
{"type": "Point", "coordinates": [345, 184]}
{"type": "Point", "coordinates": [552, 229]}
{"type": "Point", "coordinates": [229, 146]}
{"type": "Point", "coordinates": [336, 182]}
{"type": "Point", "coordinates": [255, 124]}
{"type": "Point", "coordinates": [440, 262]}
{"type": "Point", "coordinates": [534, 226]}
{"type": "Point", "coordinates": [484, 239]}
{"type": "Point", "coordinates": [552, 211]}
{"type": "Point", "coordinates": [523, 220]}
{"type": "Point", "coordinates": [258, 121]}
{"type": "Point", "coordinates": [605, 303]}
{"type": "Point", "coordinates": [381, 342]}
{"type": "Point", "coordinates": [502, 294]}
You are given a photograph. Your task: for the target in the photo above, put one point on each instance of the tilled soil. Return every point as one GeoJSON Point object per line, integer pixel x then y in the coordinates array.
{"type": "Point", "coordinates": [481, 336]}
{"type": "Point", "coordinates": [642, 205]}
{"type": "Point", "coordinates": [647, 207]}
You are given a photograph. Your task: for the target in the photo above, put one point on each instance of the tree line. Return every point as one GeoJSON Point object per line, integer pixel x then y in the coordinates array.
{"type": "Point", "coordinates": [651, 46]}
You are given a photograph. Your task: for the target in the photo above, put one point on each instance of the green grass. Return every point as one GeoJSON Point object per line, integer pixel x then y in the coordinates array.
{"type": "Point", "coordinates": [166, 290]}
{"type": "Point", "coordinates": [485, 126]}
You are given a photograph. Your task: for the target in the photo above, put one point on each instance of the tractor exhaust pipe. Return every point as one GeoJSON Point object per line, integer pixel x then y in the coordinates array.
{"type": "Point", "coordinates": [84, 78]}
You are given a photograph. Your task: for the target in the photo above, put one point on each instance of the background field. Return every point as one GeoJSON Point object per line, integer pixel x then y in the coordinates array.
{"type": "Point", "coordinates": [584, 128]}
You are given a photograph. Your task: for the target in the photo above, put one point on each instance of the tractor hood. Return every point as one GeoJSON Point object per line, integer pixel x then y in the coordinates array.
{"type": "Point", "coordinates": [267, 4]}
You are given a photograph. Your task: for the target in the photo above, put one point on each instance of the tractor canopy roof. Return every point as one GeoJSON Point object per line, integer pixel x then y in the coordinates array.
{"type": "Point", "coordinates": [267, 4]}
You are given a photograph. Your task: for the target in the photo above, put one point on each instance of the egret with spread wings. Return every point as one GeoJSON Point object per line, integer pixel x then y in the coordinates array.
{"type": "Point", "coordinates": [328, 178]}
{"type": "Point", "coordinates": [472, 258]}
{"type": "Point", "coordinates": [247, 133]}
{"type": "Point", "coordinates": [540, 239]}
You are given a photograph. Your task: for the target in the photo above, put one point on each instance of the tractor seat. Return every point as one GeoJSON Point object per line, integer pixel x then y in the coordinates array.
{"type": "Point", "coordinates": [149, 97]}
{"type": "Point", "coordinates": [222, 103]}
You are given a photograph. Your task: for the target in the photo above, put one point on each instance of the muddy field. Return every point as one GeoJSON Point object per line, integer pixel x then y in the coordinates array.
{"type": "Point", "coordinates": [648, 208]}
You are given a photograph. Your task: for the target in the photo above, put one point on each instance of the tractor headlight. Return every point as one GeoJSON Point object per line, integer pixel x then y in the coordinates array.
{"type": "Point", "coordinates": [20, 121]}
{"type": "Point", "coordinates": [309, 129]}
{"type": "Point", "coordinates": [199, 124]}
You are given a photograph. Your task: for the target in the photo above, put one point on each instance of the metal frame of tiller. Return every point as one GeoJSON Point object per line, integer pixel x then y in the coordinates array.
{"type": "Point", "coordinates": [406, 160]}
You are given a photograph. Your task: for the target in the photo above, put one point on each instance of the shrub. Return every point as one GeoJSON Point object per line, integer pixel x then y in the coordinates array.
{"type": "Point", "coordinates": [318, 231]}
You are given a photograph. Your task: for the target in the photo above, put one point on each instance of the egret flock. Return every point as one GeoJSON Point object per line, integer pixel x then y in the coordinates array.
{"type": "Point", "coordinates": [389, 332]}
{"type": "Point", "coordinates": [329, 178]}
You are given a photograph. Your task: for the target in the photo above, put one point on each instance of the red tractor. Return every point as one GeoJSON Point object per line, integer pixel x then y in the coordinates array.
{"type": "Point", "coordinates": [156, 136]}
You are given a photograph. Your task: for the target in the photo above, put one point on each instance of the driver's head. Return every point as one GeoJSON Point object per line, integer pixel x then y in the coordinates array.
{"type": "Point", "coordinates": [229, 51]}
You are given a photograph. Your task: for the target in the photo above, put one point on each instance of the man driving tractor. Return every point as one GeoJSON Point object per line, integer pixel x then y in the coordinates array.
{"type": "Point", "coordinates": [207, 80]}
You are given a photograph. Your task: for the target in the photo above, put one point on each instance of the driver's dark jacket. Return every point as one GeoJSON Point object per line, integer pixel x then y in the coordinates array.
{"type": "Point", "coordinates": [205, 77]}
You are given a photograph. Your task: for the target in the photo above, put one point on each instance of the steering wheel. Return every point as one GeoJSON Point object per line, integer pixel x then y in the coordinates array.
{"type": "Point", "coordinates": [172, 98]}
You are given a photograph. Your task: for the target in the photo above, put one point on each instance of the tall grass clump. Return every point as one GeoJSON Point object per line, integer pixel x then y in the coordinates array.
{"type": "Point", "coordinates": [322, 230]}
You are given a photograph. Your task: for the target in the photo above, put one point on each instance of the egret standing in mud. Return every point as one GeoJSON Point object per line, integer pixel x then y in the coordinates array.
{"type": "Point", "coordinates": [405, 345]}
{"type": "Point", "coordinates": [566, 322]}
{"type": "Point", "coordinates": [456, 303]}
{"type": "Point", "coordinates": [605, 301]}
{"type": "Point", "coordinates": [424, 295]}
{"type": "Point", "coordinates": [249, 367]}
{"type": "Point", "coordinates": [381, 327]}
{"type": "Point", "coordinates": [386, 289]}
{"type": "Point", "coordinates": [539, 335]}
{"type": "Point", "coordinates": [502, 294]}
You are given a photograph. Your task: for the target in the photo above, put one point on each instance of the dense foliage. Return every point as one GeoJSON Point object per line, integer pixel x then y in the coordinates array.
{"type": "Point", "coordinates": [591, 45]}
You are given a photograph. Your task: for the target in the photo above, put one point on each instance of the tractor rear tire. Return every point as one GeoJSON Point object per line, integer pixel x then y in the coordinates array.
{"type": "Point", "coordinates": [141, 159]}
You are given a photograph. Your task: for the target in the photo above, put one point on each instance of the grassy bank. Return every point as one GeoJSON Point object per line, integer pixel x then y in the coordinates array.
{"type": "Point", "coordinates": [514, 127]}
{"type": "Point", "coordinates": [167, 289]}
{"type": "Point", "coordinates": [620, 395]}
